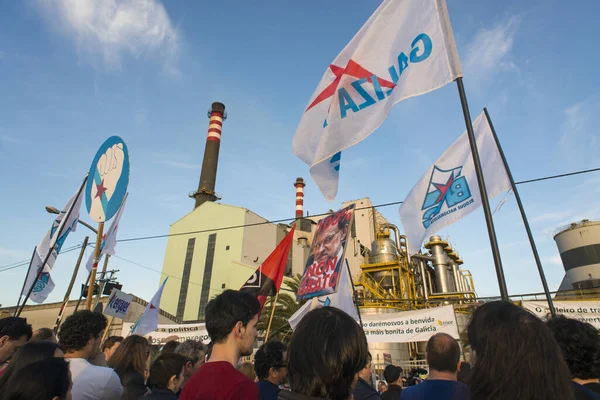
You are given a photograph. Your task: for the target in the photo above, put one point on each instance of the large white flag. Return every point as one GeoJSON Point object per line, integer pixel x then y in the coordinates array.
{"type": "Point", "coordinates": [52, 243]}
{"type": "Point", "coordinates": [109, 239]}
{"type": "Point", "coordinates": [342, 299]}
{"type": "Point", "coordinates": [148, 322]}
{"type": "Point", "coordinates": [449, 190]}
{"type": "Point", "coordinates": [405, 49]}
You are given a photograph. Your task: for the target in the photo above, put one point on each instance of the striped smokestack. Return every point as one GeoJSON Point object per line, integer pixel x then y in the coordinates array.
{"type": "Point", "coordinates": [208, 176]}
{"type": "Point", "coordinates": [299, 197]}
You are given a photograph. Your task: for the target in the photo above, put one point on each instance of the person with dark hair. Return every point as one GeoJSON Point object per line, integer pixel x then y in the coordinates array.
{"type": "Point", "coordinates": [464, 372]}
{"type": "Point", "coordinates": [14, 333]}
{"type": "Point", "coordinates": [580, 345]}
{"type": "Point", "coordinates": [271, 368]}
{"type": "Point", "coordinates": [45, 335]}
{"type": "Point", "coordinates": [28, 354]}
{"type": "Point", "coordinates": [166, 377]}
{"type": "Point", "coordinates": [327, 351]}
{"type": "Point", "coordinates": [392, 373]}
{"type": "Point", "coordinates": [111, 345]}
{"type": "Point", "coordinates": [194, 353]}
{"type": "Point", "coordinates": [129, 362]}
{"type": "Point", "coordinates": [443, 358]}
{"type": "Point", "coordinates": [364, 389]}
{"type": "Point", "coordinates": [47, 379]}
{"type": "Point", "coordinates": [169, 347]}
{"type": "Point", "coordinates": [382, 387]}
{"type": "Point", "coordinates": [80, 337]}
{"type": "Point", "coordinates": [515, 356]}
{"type": "Point", "coordinates": [231, 319]}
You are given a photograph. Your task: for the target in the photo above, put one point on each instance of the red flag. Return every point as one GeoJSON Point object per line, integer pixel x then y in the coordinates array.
{"type": "Point", "coordinates": [267, 278]}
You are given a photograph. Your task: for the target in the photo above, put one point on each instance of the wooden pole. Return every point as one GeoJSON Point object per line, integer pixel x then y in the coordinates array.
{"type": "Point", "coordinates": [105, 334]}
{"type": "Point", "coordinates": [68, 293]}
{"type": "Point", "coordinates": [92, 281]}
{"type": "Point", "coordinates": [272, 314]}
{"type": "Point", "coordinates": [103, 278]}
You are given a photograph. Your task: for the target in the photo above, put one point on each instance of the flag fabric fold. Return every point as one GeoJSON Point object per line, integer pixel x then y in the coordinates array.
{"type": "Point", "coordinates": [267, 278]}
{"type": "Point", "coordinates": [405, 49]}
{"type": "Point", "coordinates": [342, 299]}
{"type": "Point", "coordinates": [148, 322]}
{"type": "Point", "coordinates": [109, 239]}
{"type": "Point", "coordinates": [448, 191]}
{"type": "Point", "coordinates": [52, 243]}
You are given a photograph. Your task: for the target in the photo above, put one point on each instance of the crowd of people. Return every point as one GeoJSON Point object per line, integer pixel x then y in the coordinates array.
{"type": "Point", "coordinates": [513, 355]}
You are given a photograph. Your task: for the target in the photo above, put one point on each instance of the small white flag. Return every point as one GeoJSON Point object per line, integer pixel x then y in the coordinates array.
{"type": "Point", "coordinates": [52, 243]}
{"type": "Point", "coordinates": [109, 239]}
{"type": "Point", "coordinates": [449, 190]}
{"type": "Point", "coordinates": [148, 322]}
{"type": "Point", "coordinates": [342, 299]}
{"type": "Point", "coordinates": [405, 49]}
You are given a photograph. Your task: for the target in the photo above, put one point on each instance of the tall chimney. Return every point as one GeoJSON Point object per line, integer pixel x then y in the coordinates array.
{"type": "Point", "coordinates": [299, 197]}
{"type": "Point", "coordinates": [208, 176]}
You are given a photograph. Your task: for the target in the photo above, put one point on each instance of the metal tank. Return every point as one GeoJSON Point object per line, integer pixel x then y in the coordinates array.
{"type": "Point", "coordinates": [579, 248]}
{"type": "Point", "coordinates": [436, 247]}
{"type": "Point", "coordinates": [385, 250]}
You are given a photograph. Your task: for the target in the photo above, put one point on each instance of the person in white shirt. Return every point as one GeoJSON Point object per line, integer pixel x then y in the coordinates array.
{"type": "Point", "coordinates": [80, 337]}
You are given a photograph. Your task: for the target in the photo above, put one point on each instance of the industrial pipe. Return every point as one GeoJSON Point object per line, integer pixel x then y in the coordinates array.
{"type": "Point", "coordinates": [299, 185]}
{"type": "Point", "coordinates": [423, 280]}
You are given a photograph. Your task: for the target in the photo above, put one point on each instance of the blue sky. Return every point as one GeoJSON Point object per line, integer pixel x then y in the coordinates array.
{"type": "Point", "coordinates": [75, 72]}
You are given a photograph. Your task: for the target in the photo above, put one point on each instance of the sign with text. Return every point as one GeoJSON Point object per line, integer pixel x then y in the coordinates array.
{"type": "Point", "coordinates": [118, 304]}
{"type": "Point", "coordinates": [183, 331]}
{"type": "Point", "coordinates": [410, 326]}
{"type": "Point", "coordinates": [585, 311]}
{"type": "Point", "coordinates": [322, 272]}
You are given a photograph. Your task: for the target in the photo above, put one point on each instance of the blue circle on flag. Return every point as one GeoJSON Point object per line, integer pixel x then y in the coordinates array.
{"type": "Point", "coordinates": [107, 180]}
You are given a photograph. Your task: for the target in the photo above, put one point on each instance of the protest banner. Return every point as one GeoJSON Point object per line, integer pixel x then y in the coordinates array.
{"type": "Point", "coordinates": [118, 304]}
{"type": "Point", "coordinates": [183, 332]}
{"type": "Point", "coordinates": [585, 311]}
{"type": "Point", "coordinates": [322, 271]}
{"type": "Point", "coordinates": [410, 326]}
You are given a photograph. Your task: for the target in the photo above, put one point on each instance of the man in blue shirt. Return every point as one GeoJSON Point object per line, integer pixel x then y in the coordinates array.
{"type": "Point", "coordinates": [443, 358]}
{"type": "Point", "coordinates": [270, 367]}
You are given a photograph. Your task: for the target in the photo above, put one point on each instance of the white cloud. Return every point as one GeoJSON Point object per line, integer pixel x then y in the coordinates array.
{"type": "Point", "coordinates": [110, 29]}
{"type": "Point", "coordinates": [490, 50]}
{"type": "Point", "coordinates": [578, 142]}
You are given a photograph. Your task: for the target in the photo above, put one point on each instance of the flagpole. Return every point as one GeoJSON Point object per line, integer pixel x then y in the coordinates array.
{"type": "Point", "coordinates": [92, 280]}
{"type": "Point", "coordinates": [272, 314]}
{"type": "Point", "coordinates": [103, 278]}
{"type": "Point", "coordinates": [81, 292]}
{"type": "Point", "coordinates": [25, 282]}
{"type": "Point", "coordinates": [50, 251]}
{"type": "Point", "coordinates": [354, 296]}
{"type": "Point", "coordinates": [482, 191]}
{"type": "Point", "coordinates": [110, 321]}
{"type": "Point", "coordinates": [524, 216]}
{"type": "Point", "coordinates": [68, 293]}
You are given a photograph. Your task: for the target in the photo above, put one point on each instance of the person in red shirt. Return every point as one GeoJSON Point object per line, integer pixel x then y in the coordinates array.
{"type": "Point", "coordinates": [231, 319]}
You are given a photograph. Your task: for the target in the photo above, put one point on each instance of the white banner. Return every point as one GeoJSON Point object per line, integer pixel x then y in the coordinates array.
{"type": "Point", "coordinates": [118, 304]}
{"type": "Point", "coordinates": [184, 332]}
{"type": "Point", "coordinates": [405, 49]}
{"type": "Point", "coordinates": [449, 190]}
{"type": "Point", "coordinates": [410, 326]}
{"type": "Point", "coordinates": [585, 311]}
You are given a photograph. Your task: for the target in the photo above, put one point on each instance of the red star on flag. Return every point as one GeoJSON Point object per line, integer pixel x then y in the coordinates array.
{"type": "Point", "coordinates": [352, 69]}
{"type": "Point", "coordinates": [100, 189]}
{"type": "Point", "coordinates": [443, 188]}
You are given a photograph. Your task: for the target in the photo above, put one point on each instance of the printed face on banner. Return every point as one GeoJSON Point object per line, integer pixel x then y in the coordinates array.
{"type": "Point", "coordinates": [326, 255]}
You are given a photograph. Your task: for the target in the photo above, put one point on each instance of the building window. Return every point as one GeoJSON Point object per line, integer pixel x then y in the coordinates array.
{"type": "Point", "coordinates": [223, 286]}
{"type": "Point", "coordinates": [226, 247]}
{"type": "Point", "coordinates": [208, 267]}
{"type": "Point", "coordinates": [185, 279]}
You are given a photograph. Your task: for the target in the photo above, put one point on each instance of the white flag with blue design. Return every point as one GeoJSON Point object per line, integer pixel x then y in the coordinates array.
{"type": "Point", "coordinates": [405, 49]}
{"type": "Point", "coordinates": [342, 299]}
{"type": "Point", "coordinates": [148, 322]}
{"type": "Point", "coordinates": [52, 242]}
{"type": "Point", "coordinates": [109, 240]}
{"type": "Point", "coordinates": [449, 190]}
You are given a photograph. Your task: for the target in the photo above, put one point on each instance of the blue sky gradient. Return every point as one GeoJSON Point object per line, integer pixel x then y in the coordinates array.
{"type": "Point", "coordinates": [76, 72]}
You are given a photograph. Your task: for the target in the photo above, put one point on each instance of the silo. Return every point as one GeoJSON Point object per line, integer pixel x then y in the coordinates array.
{"type": "Point", "coordinates": [579, 248]}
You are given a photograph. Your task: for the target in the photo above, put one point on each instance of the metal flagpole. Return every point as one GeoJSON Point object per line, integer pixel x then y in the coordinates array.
{"type": "Point", "coordinates": [271, 319]}
{"type": "Point", "coordinates": [482, 191]}
{"type": "Point", "coordinates": [524, 216]}
{"type": "Point", "coordinates": [92, 280]}
{"type": "Point", "coordinates": [63, 307]}
{"type": "Point", "coordinates": [61, 226]}
{"type": "Point", "coordinates": [26, 276]}
{"type": "Point", "coordinates": [354, 296]}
